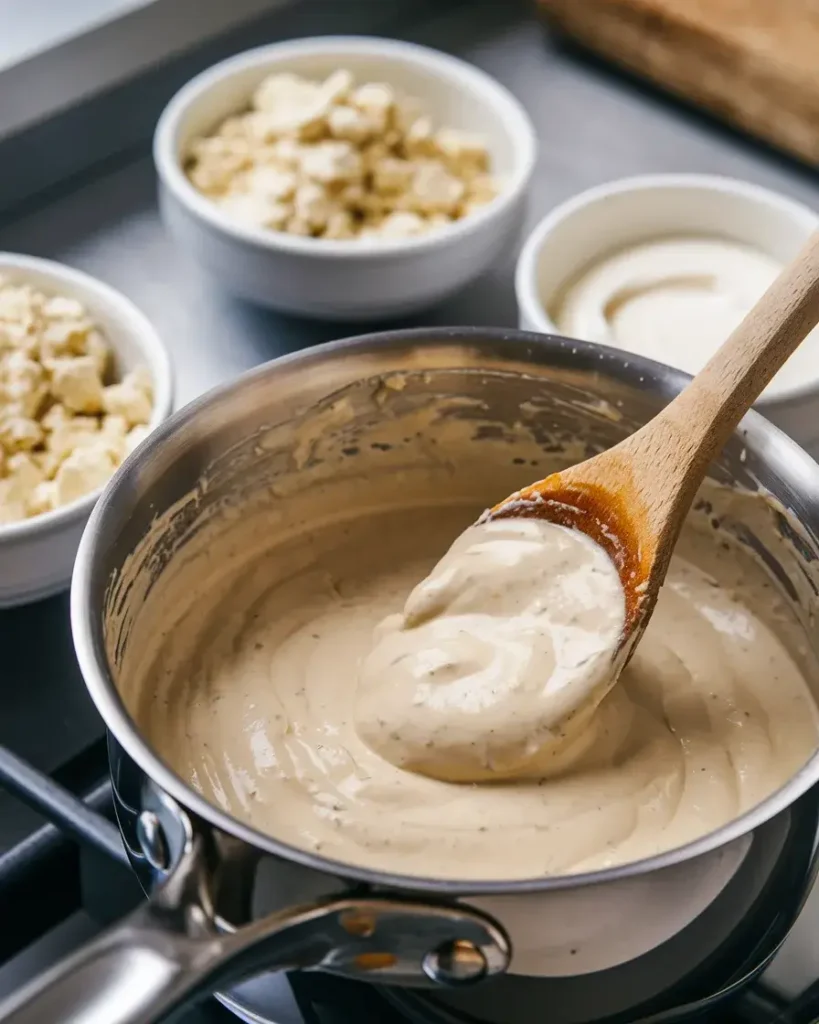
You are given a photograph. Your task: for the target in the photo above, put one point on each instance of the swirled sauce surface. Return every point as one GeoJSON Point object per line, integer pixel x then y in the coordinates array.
{"type": "Point", "coordinates": [499, 658]}
{"type": "Point", "coordinates": [253, 700]}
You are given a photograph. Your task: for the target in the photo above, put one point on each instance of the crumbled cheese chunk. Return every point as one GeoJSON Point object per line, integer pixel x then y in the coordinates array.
{"type": "Point", "coordinates": [284, 153]}
{"type": "Point", "coordinates": [333, 159]}
{"type": "Point", "coordinates": [299, 226]}
{"type": "Point", "coordinates": [64, 338]}
{"type": "Point", "coordinates": [376, 100]}
{"type": "Point", "coordinates": [336, 87]}
{"type": "Point", "coordinates": [84, 470]}
{"type": "Point", "coordinates": [76, 383]}
{"type": "Point", "coordinates": [131, 399]}
{"type": "Point", "coordinates": [350, 124]}
{"type": "Point", "coordinates": [434, 189]}
{"type": "Point", "coordinates": [22, 383]}
{"type": "Point", "coordinates": [313, 205]}
{"type": "Point", "coordinates": [114, 426]}
{"type": "Point", "coordinates": [401, 225]}
{"type": "Point", "coordinates": [438, 220]}
{"type": "Point", "coordinates": [12, 502]}
{"type": "Point", "coordinates": [22, 478]}
{"type": "Point", "coordinates": [214, 169]}
{"type": "Point", "coordinates": [61, 307]}
{"type": "Point", "coordinates": [24, 472]}
{"type": "Point", "coordinates": [284, 90]}
{"type": "Point", "coordinates": [63, 432]}
{"type": "Point", "coordinates": [255, 210]}
{"type": "Point", "coordinates": [74, 432]}
{"type": "Point", "coordinates": [463, 152]}
{"type": "Point", "coordinates": [332, 162]}
{"type": "Point", "coordinates": [290, 104]}
{"type": "Point", "coordinates": [272, 182]}
{"type": "Point", "coordinates": [97, 347]}
{"type": "Point", "coordinates": [420, 139]}
{"type": "Point", "coordinates": [56, 417]}
{"type": "Point", "coordinates": [340, 225]}
{"type": "Point", "coordinates": [18, 305]}
{"type": "Point", "coordinates": [18, 433]}
{"type": "Point", "coordinates": [391, 174]}
{"type": "Point", "coordinates": [42, 498]}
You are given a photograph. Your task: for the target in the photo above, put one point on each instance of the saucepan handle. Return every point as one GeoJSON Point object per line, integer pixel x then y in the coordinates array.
{"type": "Point", "coordinates": [170, 950]}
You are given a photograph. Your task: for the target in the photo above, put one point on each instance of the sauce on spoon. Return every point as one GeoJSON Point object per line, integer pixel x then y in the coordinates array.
{"type": "Point", "coordinates": [479, 678]}
{"type": "Point", "coordinates": [498, 656]}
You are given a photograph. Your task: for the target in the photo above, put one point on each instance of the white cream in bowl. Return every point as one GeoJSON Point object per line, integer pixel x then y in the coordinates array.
{"type": "Point", "coordinates": [676, 300]}
{"type": "Point", "coordinates": [665, 266]}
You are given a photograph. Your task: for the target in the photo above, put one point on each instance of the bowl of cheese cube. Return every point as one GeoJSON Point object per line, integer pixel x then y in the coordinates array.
{"type": "Point", "coordinates": [83, 379]}
{"type": "Point", "coordinates": [344, 178]}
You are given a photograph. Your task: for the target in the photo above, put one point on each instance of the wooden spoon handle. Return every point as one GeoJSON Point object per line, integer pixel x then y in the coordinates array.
{"type": "Point", "coordinates": [693, 428]}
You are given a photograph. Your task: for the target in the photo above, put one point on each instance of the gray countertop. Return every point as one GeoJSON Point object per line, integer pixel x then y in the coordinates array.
{"type": "Point", "coordinates": [56, 55]}
{"type": "Point", "coordinates": [593, 126]}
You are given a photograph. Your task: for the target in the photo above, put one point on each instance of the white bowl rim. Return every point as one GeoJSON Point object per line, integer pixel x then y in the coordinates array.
{"type": "Point", "coordinates": [153, 349]}
{"type": "Point", "coordinates": [469, 77]}
{"type": "Point", "coordinates": [526, 293]}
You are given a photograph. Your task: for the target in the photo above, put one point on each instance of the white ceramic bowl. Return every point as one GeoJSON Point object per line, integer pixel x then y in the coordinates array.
{"type": "Point", "coordinates": [346, 280]}
{"type": "Point", "coordinates": [37, 555]}
{"type": "Point", "coordinates": [602, 220]}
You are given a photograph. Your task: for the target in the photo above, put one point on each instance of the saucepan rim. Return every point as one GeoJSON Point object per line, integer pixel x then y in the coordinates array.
{"type": "Point", "coordinates": [757, 434]}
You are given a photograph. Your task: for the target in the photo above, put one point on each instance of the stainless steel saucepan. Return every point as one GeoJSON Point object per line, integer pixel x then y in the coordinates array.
{"type": "Point", "coordinates": [227, 902]}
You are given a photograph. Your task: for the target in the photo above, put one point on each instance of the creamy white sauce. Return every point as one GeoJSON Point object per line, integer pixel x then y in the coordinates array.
{"type": "Point", "coordinates": [236, 630]}
{"type": "Point", "coordinates": [676, 300]}
{"type": "Point", "coordinates": [248, 690]}
{"type": "Point", "coordinates": [498, 658]}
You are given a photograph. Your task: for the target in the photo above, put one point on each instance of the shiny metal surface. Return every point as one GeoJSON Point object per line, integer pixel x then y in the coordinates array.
{"type": "Point", "coordinates": [455, 963]}
{"type": "Point", "coordinates": [152, 840]}
{"type": "Point", "coordinates": [173, 949]}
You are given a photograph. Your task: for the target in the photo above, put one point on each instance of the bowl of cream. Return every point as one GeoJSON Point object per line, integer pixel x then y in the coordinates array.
{"type": "Point", "coordinates": [665, 266]}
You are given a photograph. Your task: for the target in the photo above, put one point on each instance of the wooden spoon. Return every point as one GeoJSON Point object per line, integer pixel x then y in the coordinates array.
{"type": "Point", "coordinates": [632, 499]}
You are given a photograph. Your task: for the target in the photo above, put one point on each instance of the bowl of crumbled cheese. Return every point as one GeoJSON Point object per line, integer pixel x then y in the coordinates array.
{"type": "Point", "coordinates": [83, 379]}
{"type": "Point", "coordinates": [344, 178]}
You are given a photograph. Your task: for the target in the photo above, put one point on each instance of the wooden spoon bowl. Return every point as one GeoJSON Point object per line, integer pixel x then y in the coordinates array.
{"type": "Point", "coordinates": [605, 515]}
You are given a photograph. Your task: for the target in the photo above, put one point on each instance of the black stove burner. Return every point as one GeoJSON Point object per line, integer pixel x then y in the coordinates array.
{"type": "Point", "coordinates": [323, 999]}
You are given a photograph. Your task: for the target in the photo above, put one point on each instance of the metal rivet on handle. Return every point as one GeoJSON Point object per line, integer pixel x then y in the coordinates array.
{"type": "Point", "coordinates": [152, 840]}
{"type": "Point", "coordinates": [357, 924]}
{"type": "Point", "coordinates": [455, 963]}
